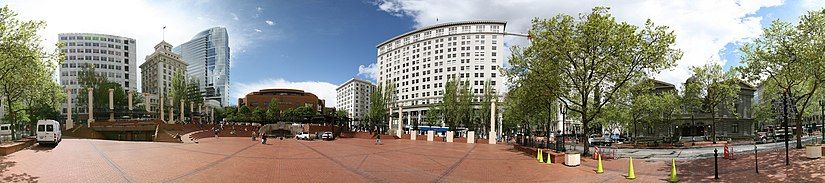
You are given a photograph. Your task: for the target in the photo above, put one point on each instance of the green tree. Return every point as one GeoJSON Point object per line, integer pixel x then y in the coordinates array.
{"type": "Point", "coordinates": [258, 115]}
{"type": "Point", "coordinates": [597, 57]}
{"type": "Point", "coordinates": [790, 58]}
{"type": "Point", "coordinates": [712, 91]}
{"type": "Point", "coordinates": [273, 113]}
{"type": "Point", "coordinates": [25, 68]}
{"type": "Point", "coordinates": [244, 113]}
{"type": "Point", "coordinates": [378, 108]}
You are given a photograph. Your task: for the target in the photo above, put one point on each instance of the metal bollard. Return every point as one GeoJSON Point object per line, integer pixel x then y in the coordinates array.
{"type": "Point", "coordinates": [756, 158]}
{"type": "Point", "coordinates": [715, 164]}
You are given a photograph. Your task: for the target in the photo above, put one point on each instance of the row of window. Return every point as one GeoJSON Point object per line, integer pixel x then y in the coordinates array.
{"type": "Point", "coordinates": [95, 51]}
{"type": "Point", "coordinates": [439, 32]}
{"type": "Point", "coordinates": [96, 38]}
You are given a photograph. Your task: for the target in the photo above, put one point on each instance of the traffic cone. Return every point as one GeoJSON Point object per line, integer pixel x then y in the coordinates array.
{"type": "Point", "coordinates": [541, 157]}
{"type": "Point", "coordinates": [673, 177]}
{"type": "Point", "coordinates": [538, 154]}
{"type": "Point", "coordinates": [725, 155]}
{"type": "Point", "coordinates": [549, 159]}
{"type": "Point", "coordinates": [599, 168]}
{"type": "Point", "coordinates": [630, 174]}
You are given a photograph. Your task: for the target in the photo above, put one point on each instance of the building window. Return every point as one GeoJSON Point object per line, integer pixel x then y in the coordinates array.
{"type": "Point", "coordinates": [734, 128]}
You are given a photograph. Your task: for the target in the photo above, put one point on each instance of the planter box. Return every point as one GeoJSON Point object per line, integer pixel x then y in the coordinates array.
{"type": "Point", "coordinates": [430, 135]}
{"type": "Point", "coordinates": [572, 159]}
{"type": "Point", "coordinates": [813, 151]}
{"type": "Point", "coordinates": [556, 157]}
{"type": "Point", "coordinates": [471, 137]}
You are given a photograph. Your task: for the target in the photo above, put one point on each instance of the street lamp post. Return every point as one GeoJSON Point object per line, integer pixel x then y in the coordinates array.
{"type": "Point", "coordinates": [822, 114]}
{"type": "Point", "coordinates": [563, 110]}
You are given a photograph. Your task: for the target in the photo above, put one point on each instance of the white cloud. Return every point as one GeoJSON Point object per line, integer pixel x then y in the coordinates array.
{"type": "Point", "coordinates": [140, 20]}
{"type": "Point", "coordinates": [258, 30]}
{"type": "Point", "coordinates": [370, 71]}
{"type": "Point", "coordinates": [323, 90]}
{"type": "Point", "coordinates": [270, 22]}
{"type": "Point", "coordinates": [234, 16]}
{"type": "Point", "coordinates": [703, 28]}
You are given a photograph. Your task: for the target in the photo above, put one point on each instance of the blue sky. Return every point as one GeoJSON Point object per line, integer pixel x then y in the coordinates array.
{"type": "Point", "coordinates": [316, 45]}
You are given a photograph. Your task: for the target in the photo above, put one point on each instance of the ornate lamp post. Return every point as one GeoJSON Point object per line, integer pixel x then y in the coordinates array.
{"type": "Point", "coordinates": [822, 114]}
{"type": "Point", "coordinates": [563, 110]}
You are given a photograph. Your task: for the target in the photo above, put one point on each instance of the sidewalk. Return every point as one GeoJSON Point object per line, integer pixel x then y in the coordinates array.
{"type": "Point", "coordinates": [692, 153]}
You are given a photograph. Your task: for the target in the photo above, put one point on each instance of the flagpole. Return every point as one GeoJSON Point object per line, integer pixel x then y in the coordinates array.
{"type": "Point", "coordinates": [164, 33]}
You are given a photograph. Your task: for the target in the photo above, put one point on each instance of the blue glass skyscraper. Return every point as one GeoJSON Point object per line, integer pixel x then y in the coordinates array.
{"type": "Point", "coordinates": [208, 57]}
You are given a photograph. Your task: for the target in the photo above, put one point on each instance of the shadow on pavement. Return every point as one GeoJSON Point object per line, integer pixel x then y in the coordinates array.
{"type": "Point", "coordinates": [12, 177]}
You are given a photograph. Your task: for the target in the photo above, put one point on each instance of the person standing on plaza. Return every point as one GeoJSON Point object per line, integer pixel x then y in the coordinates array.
{"type": "Point", "coordinates": [253, 135]}
{"type": "Point", "coordinates": [263, 138]}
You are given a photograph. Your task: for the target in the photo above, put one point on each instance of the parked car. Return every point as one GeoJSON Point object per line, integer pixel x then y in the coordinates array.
{"type": "Point", "coordinates": [48, 132]}
{"type": "Point", "coordinates": [327, 136]}
{"type": "Point", "coordinates": [303, 136]}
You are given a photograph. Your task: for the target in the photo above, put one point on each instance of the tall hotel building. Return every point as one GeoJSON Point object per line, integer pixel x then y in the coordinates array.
{"type": "Point", "coordinates": [207, 56]}
{"type": "Point", "coordinates": [111, 56]}
{"type": "Point", "coordinates": [420, 62]}
{"type": "Point", "coordinates": [354, 98]}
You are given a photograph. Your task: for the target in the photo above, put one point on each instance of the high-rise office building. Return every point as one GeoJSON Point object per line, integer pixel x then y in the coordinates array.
{"type": "Point", "coordinates": [158, 70]}
{"type": "Point", "coordinates": [207, 56]}
{"type": "Point", "coordinates": [420, 62]}
{"type": "Point", "coordinates": [354, 98]}
{"type": "Point", "coordinates": [111, 56]}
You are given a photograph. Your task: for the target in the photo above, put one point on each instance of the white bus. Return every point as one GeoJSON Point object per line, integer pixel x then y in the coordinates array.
{"type": "Point", "coordinates": [48, 132]}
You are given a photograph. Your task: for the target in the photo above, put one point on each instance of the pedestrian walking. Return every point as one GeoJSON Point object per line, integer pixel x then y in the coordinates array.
{"type": "Point", "coordinates": [263, 138]}
{"type": "Point", "coordinates": [254, 134]}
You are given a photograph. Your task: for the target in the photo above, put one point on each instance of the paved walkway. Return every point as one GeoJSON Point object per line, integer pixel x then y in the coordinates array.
{"type": "Point", "coordinates": [230, 159]}
{"type": "Point", "coordinates": [186, 138]}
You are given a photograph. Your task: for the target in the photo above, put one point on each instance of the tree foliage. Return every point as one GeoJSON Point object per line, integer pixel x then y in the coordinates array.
{"type": "Point", "coordinates": [591, 58]}
{"type": "Point", "coordinates": [790, 58]}
{"type": "Point", "coordinates": [26, 84]}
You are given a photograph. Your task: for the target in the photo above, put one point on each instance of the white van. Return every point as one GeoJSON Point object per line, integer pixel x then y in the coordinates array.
{"type": "Point", "coordinates": [48, 132]}
{"type": "Point", "coordinates": [5, 129]}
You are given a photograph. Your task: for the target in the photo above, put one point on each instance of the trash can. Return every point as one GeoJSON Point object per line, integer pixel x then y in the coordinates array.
{"type": "Point", "coordinates": [572, 158]}
{"type": "Point", "coordinates": [813, 151]}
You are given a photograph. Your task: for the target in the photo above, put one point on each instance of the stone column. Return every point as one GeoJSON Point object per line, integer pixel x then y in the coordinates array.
{"type": "Point", "coordinates": [161, 106]}
{"type": "Point", "coordinates": [191, 111]}
{"type": "Point", "coordinates": [491, 137]}
{"type": "Point", "coordinates": [91, 108]}
{"type": "Point", "coordinates": [389, 121]}
{"type": "Point", "coordinates": [419, 117]}
{"type": "Point", "coordinates": [146, 102]}
{"type": "Point", "coordinates": [111, 105]}
{"type": "Point", "coordinates": [400, 130]}
{"type": "Point", "coordinates": [212, 115]}
{"type": "Point", "coordinates": [171, 111]}
{"type": "Point", "coordinates": [129, 97]}
{"type": "Point", "coordinates": [181, 111]}
{"type": "Point", "coordinates": [430, 135]}
{"type": "Point", "coordinates": [69, 120]}
{"type": "Point", "coordinates": [200, 109]}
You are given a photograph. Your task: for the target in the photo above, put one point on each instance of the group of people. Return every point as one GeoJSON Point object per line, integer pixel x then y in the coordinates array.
{"type": "Point", "coordinates": [263, 136]}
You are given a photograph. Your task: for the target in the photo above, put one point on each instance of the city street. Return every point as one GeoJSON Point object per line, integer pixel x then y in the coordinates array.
{"type": "Point", "coordinates": [699, 152]}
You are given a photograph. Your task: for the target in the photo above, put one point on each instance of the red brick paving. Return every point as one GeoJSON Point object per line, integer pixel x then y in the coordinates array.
{"type": "Point", "coordinates": [771, 168]}
{"type": "Point", "coordinates": [229, 159]}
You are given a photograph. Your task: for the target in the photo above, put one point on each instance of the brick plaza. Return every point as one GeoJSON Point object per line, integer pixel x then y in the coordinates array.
{"type": "Point", "coordinates": [235, 159]}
